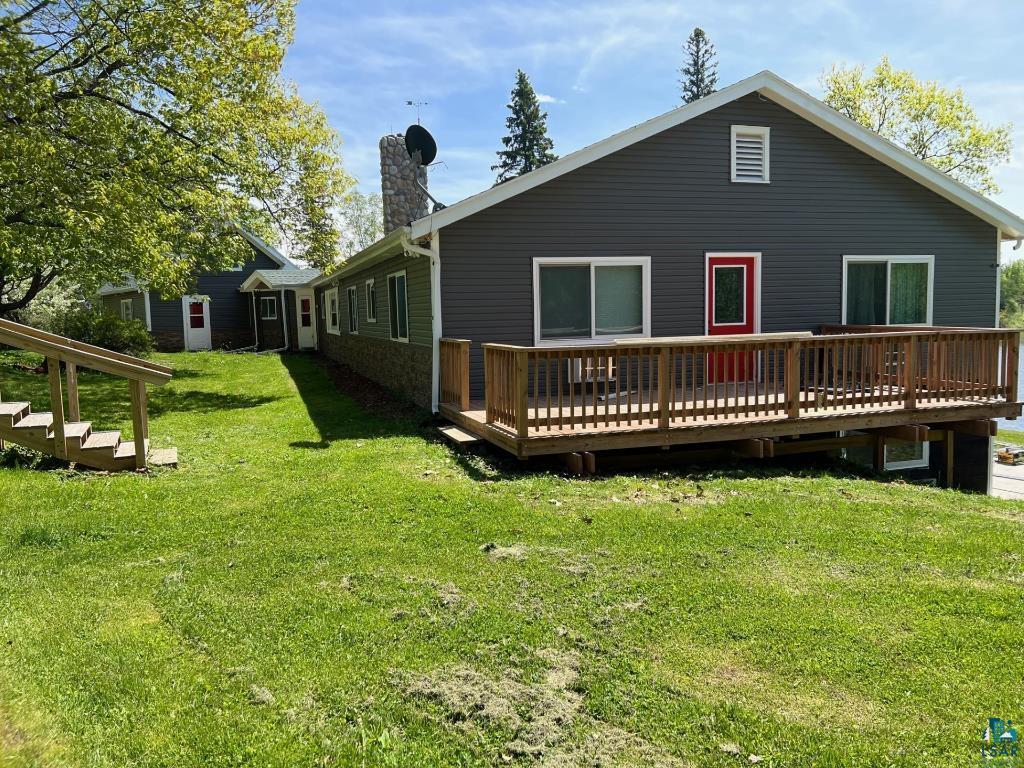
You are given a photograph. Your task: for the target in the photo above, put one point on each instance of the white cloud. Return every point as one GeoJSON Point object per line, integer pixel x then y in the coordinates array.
{"type": "Point", "coordinates": [543, 98]}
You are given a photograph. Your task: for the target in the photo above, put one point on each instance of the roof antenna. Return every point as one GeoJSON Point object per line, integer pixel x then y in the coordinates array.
{"type": "Point", "coordinates": [417, 104]}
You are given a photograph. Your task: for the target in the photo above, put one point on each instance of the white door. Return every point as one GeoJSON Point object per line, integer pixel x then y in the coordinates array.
{"type": "Point", "coordinates": [305, 319]}
{"type": "Point", "coordinates": [196, 311]}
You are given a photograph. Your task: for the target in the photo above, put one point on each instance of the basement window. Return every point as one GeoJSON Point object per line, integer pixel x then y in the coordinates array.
{"type": "Point", "coordinates": [750, 154]}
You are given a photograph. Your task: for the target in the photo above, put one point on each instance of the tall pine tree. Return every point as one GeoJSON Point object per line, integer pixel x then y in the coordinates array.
{"type": "Point", "coordinates": [700, 75]}
{"type": "Point", "coordinates": [527, 146]}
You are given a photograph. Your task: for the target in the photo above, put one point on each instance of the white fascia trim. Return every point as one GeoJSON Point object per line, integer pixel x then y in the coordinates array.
{"type": "Point", "coordinates": [264, 247]}
{"type": "Point", "coordinates": [783, 93]}
{"type": "Point", "coordinates": [250, 282]}
{"type": "Point", "coordinates": [386, 247]}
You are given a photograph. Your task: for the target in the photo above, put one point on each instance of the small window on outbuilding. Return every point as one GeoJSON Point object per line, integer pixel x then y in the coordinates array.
{"type": "Point", "coordinates": [750, 153]}
{"type": "Point", "coordinates": [127, 311]}
{"type": "Point", "coordinates": [268, 307]}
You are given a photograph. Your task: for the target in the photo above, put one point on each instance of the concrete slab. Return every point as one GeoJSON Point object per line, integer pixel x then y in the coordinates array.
{"type": "Point", "coordinates": [1008, 481]}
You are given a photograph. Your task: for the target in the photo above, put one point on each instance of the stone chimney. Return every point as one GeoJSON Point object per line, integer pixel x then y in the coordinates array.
{"type": "Point", "coordinates": [403, 200]}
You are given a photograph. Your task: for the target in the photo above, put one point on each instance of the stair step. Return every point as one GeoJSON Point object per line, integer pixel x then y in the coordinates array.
{"type": "Point", "coordinates": [125, 450]}
{"type": "Point", "coordinates": [36, 421]}
{"type": "Point", "coordinates": [77, 429]}
{"type": "Point", "coordinates": [102, 441]}
{"type": "Point", "coordinates": [12, 408]}
{"type": "Point", "coordinates": [458, 436]}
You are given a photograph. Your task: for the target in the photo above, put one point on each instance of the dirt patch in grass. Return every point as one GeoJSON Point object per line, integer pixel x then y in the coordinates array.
{"type": "Point", "coordinates": [371, 396]}
{"type": "Point", "coordinates": [539, 720]}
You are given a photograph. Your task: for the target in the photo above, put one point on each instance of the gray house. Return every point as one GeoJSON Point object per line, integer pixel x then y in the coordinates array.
{"type": "Point", "coordinates": [630, 276]}
{"type": "Point", "coordinates": [222, 314]}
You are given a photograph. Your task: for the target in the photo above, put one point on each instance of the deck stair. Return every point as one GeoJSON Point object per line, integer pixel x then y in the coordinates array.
{"type": "Point", "coordinates": [60, 431]}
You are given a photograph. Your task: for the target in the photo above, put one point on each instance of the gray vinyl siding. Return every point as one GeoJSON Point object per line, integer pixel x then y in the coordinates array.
{"type": "Point", "coordinates": [112, 304]}
{"type": "Point", "coordinates": [417, 269]}
{"type": "Point", "coordinates": [231, 322]}
{"type": "Point", "coordinates": [670, 198]}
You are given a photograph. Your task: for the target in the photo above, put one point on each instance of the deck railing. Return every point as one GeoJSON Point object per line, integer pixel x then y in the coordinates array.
{"type": "Point", "coordinates": [73, 355]}
{"type": "Point", "coordinates": [663, 383]}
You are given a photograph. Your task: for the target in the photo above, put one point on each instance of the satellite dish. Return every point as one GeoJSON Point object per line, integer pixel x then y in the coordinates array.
{"type": "Point", "coordinates": [418, 139]}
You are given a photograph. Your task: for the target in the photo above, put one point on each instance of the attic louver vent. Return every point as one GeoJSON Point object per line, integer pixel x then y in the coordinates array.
{"type": "Point", "coordinates": [750, 154]}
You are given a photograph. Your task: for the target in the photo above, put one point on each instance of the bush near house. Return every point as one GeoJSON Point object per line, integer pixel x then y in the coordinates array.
{"type": "Point", "coordinates": [105, 330]}
{"type": "Point", "coordinates": [324, 584]}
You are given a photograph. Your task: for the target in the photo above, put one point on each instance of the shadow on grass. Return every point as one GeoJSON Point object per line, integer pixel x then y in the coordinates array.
{"type": "Point", "coordinates": [368, 410]}
{"type": "Point", "coordinates": [200, 401]}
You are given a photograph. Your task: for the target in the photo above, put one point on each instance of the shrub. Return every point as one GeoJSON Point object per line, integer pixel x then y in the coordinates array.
{"type": "Point", "coordinates": [106, 330]}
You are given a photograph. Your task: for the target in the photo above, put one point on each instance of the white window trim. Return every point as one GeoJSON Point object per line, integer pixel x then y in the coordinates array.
{"type": "Point", "coordinates": [352, 299]}
{"type": "Point", "coordinates": [756, 256]}
{"type": "Point", "coordinates": [756, 130]}
{"type": "Point", "coordinates": [334, 329]}
{"type": "Point", "coordinates": [401, 339]}
{"type": "Point", "coordinates": [889, 261]}
{"type": "Point", "coordinates": [371, 286]}
{"type": "Point", "coordinates": [131, 309]}
{"type": "Point", "coordinates": [263, 315]}
{"type": "Point", "coordinates": [714, 271]}
{"type": "Point", "coordinates": [596, 261]}
{"type": "Point", "coordinates": [910, 463]}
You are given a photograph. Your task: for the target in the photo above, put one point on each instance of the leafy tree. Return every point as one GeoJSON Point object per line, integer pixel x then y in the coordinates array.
{"type": "Point", "coordinates": [527, 146]}
{"type": "Point", "coordinates": [700, 75]}
{"type": "Point", "coordinates": [931, 122]}
{"type": "Point", "coordinates": [1011, 295]}
{"type": "Point", "coordinates": [362, 222]}
{"type": "Point", "coordinates": [136, 133]}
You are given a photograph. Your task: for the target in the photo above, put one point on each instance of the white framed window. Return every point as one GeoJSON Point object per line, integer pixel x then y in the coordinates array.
{"type": "Point", "coordinates": [749, 153]}
{"type": "Point", "coordinates": [127, 309]}
{"type": "Point", "coordinates": [371, 301]}
{"type": "Point", "coordinates": [398, 306]}
{"type": "Point", "coordinates": [900, 454]}
{"type": "Point", "coordinates": [268, 307]}
{"type": "Point", "coordinates": [353, 309]}
{"type": "Point", "coordinates": [331, 302]}
{"type": "Point", "coordinates": [888, 290]}
{"type": "Point", "coordinates": [590, 299]}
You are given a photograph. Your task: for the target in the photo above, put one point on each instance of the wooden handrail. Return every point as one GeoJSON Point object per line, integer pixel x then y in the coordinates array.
{"type": "Point", "coordinates": [667, 382]}
{"type": "Point", "coordinates": [81, 346]}
{"type": "Point", "coordinates": [104, 360]}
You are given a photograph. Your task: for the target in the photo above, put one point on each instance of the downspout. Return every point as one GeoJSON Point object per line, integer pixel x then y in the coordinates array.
{"type": "Point", "coordinates": [284, 321]}
{"type": "Point", "coordinates": [255, 323]}
{"type": "Point", "coordinates": [434, 254]}
{"type": "Point", "coordinates": [149, 314]}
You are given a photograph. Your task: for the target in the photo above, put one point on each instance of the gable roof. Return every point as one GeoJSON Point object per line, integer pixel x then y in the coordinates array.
{"type": "Point", "coordinates": [262, 279]}
{"type": "Point", "coordinates": [265, 248]}
{"type": "Point", "coordinates": [783, 93]}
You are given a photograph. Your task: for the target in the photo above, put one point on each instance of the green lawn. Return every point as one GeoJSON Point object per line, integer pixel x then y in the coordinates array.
{"type": "Point", "coordinates": [316, 585]}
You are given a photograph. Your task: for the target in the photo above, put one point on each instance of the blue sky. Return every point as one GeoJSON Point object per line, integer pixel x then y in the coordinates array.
{"type": "Point", "coordinates": [606, 65]}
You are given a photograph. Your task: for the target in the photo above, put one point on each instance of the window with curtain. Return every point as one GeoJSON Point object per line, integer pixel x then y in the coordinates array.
{"type": "Point", "coordinates": [887, 291]}
{"type": "Point", "coordinates": [585, 300]}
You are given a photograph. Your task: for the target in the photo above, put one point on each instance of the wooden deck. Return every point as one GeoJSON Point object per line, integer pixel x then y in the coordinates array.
{"type": "Point", "coordinates": [663, 392]}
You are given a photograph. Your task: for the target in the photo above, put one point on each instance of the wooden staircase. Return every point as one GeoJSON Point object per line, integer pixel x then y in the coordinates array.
{"type": "Point", "coordinates": [60, 431]}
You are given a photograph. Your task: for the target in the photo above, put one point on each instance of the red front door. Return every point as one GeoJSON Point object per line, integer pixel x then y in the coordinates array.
{"type": "Point", "coordinates": [732, 285]}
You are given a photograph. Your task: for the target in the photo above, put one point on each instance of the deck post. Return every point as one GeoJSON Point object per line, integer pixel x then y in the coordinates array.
{"type": "Point", "coordinates": [71, 373]}
{"type": "Point", "coordinates": [664, 416]}
{"type": "Point", "coordinates": [140, 420]}
{"type": "Point", "coordinates": [464, 375]}
{"type": "Point", "coordinates": [910, 374]}
{"type": "Point", "coordinates": [60, 445]}
{"type": "Point", "coordinates": [522, 393]}
{"type": "Point", "coordinates": [792, 379]}
{"type": "Point", "coordinates": [1013, 362]}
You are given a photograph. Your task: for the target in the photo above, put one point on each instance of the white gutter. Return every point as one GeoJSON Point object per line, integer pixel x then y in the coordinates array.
{"type": "Point", "coordinates": [434, 254]}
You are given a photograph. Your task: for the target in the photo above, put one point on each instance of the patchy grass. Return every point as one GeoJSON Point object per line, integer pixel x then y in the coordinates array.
{"type": "Point", "coordinates": [319, 584]}
{"type": "Point", "coordinates": [1010, 436]}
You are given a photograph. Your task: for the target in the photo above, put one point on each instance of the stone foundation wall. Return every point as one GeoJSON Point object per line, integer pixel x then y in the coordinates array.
{"type": "Point", "coordinates": [404, 368]}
